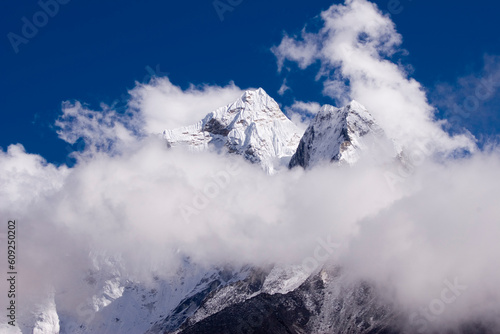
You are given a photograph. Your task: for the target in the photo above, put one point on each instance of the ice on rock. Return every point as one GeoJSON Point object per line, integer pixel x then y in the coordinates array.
{"type": "Point", "coordinates": [253, 126]}
{"type": "Point", "coordinates": [340, 135]}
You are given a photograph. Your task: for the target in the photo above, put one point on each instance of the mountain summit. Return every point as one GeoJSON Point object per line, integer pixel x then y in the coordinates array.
{"type": "Point", "coordinates": [338, 135]}
{"type": "Point", "coordinates": [252, 126]}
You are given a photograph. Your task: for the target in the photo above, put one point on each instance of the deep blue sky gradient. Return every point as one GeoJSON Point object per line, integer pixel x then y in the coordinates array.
{"type": "Point", "coordinates": [93, 51]}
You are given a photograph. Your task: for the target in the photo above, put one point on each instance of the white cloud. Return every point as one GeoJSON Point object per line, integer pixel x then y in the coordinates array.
{"type": "Point", "coordinates": [163, 105]}
{"type": "Point", "coordinates": [25, 177]}
{"type": "Point", "coordinates": [301, 113]}
{"type": "Point", "coordinates": [441, 223]}
{"type": "Point", "coordinates": [301, 51]}
{"type": "Point", "coordinates": [152, 108]}
{"type": "Point", "coordinates": [337, 90]}
{"type": "Point", "coordinates": [446, 229]}
{"type": "Point", "coordinates": [353, 45]}
{"type": "Point", "coordinates": [284, 87]}
{"type": "Point", "coordinates": [102, 131]}
{"type": "Point", "coordinates": [308, 107]}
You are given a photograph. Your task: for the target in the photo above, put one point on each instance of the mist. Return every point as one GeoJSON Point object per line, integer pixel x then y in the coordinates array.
{"type": "Point", "coordinates": [132, 204]}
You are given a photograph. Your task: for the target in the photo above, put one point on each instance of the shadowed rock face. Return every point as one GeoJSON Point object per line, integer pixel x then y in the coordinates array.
{"type": "Point", "coordinates": [326, 303]}
{"type": "Point", "coordinates": [317, 306]}
{"type": "Point", "coordinates": [216, 127]}
{"type": "Point", "coordinates": [263, 314]}
{"type": "Point", "coordinates": [337, 135]}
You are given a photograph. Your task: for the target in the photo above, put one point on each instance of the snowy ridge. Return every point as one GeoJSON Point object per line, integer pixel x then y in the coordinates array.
{"type": "Point", "coordinates": [338, 135]}
{"type": "Point", "coordinates": [151, 307]}
{"type": "Point", "coordinates": [275, 280]}
{"type": "Point", "coordinates": [252, 126]}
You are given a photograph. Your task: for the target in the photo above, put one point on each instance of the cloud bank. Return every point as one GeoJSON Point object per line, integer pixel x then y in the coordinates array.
{"type": "Point", "coordinates": [355, 47]}
{"type": "Point", "coordinates": [164, 105]}
{"type": "Point", "coordinates": [131, 199]}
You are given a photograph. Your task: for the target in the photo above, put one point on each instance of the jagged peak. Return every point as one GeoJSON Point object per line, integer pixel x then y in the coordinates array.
{"type": "Point", "coordinates": [255, 100]}
{"type": "Point", "coordinates": [253, 126]}
{"type": "Point", "coordinates": [356, 105]}
{"type": "Point", "coordinates": [251, 93]}
{"type": "Point", "coordinates": [353, 113]}
{"type": "Point", "coordinates": [336, 134]}
{"type": "Point", "coordinates": [352, 107]}
{"type": "Point", "coordinates": [252, 105]}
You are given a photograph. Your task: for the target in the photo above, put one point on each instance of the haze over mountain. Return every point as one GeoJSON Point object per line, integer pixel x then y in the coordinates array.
{"type": "Point", "coordinates": [206, 291]}
{"type": "Point", "coordinates": [207, 210]}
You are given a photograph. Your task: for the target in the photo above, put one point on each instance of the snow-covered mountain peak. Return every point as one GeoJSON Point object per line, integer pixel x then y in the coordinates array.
{"type": "Point", "coordinates": [253, 105]}
{"type": "Point", "coordinates": [336, 134]}
{"type": "Point", "coordinates": [257, 96]}
{"type": "Point", "coordinates": [253, 126]}
{"type": "Point", "coordinates": [353, 113]}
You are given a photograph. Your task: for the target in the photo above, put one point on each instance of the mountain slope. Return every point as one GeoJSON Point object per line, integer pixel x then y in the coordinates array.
{"type": "Point", "coordinates": [253, 126]}
{"type": "Point", "coordinates": [339, 135]}
{"type": "Point", "coordinates": [325, 303]}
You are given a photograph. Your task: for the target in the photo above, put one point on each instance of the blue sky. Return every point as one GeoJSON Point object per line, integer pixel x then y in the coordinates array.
{"type": "Point", "coordinates": [94, 51]}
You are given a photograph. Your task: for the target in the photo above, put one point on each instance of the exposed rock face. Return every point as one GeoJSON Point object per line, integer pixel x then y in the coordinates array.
{"type": "Point", "coordinates": [338, 135]}
{"type": "Point", "coordinates": [325, 303]}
